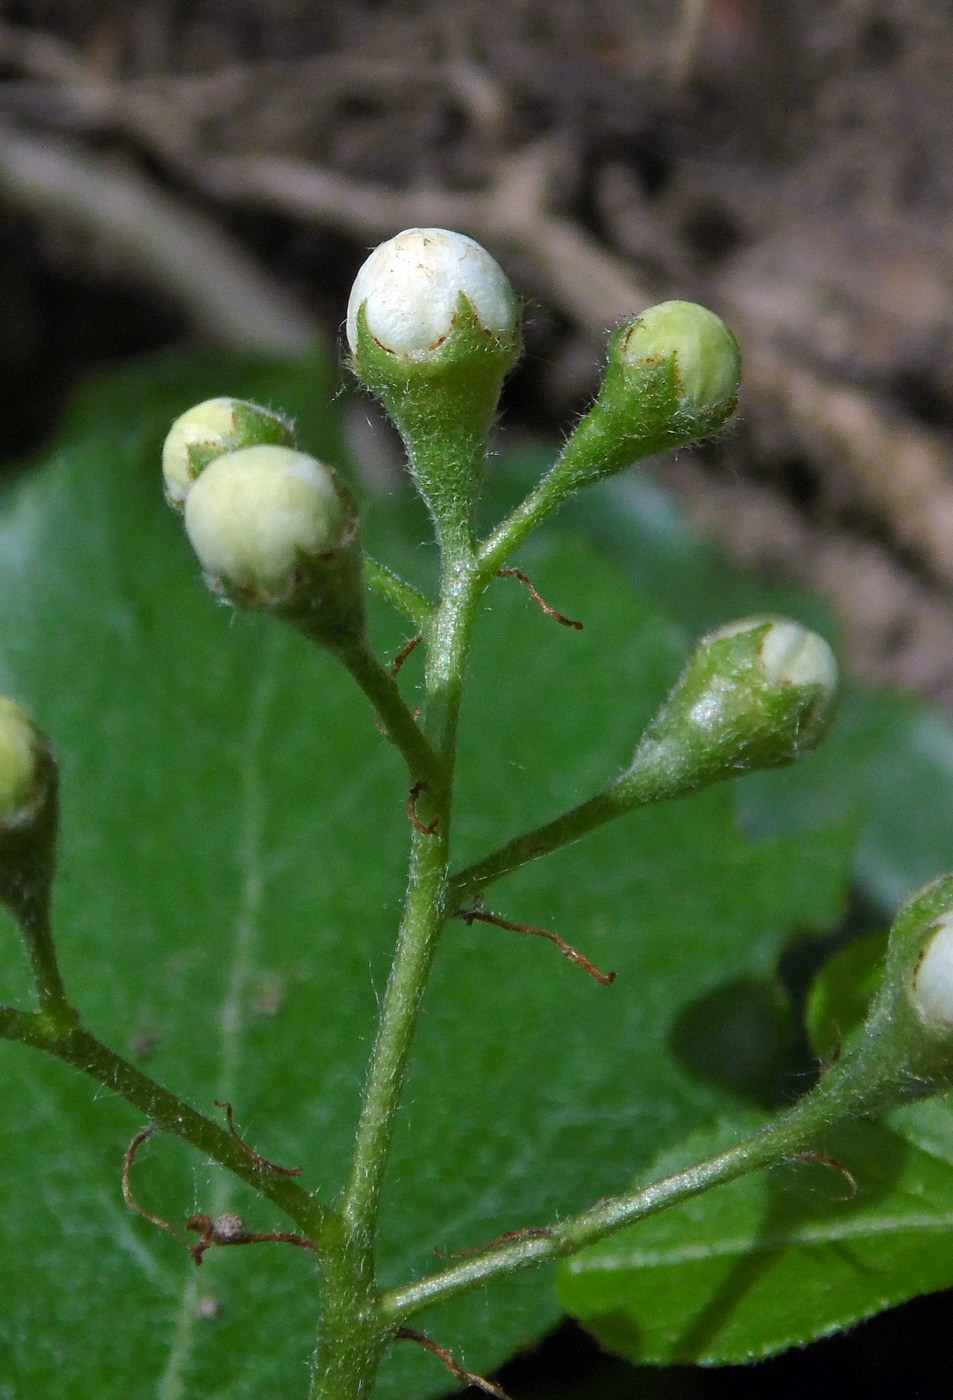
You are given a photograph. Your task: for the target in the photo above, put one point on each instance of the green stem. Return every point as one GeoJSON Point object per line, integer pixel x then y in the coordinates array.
{"type": "Point", "coordinates": [399, 593]}
{"type": "Point", "coordinates": [550, 493]}
{"type": "Point", "coordinates": [838, 1097]}
{"type": "Point", "coordinates": [36, 927]}
{"type": "Point", "coordinates": [651, 778]}
{"type": "Point", "coordinates": [352, 1332]}
{"type": "Point", "coordinates": [425, 910]}
{"type": "Point", "coordinates": [77, 1047]}
{"type": "Point", "coordinates": [531, 845]}
{"type": "Point", "coordinates": [381, 689]}
{"type": "Point", "coordinates": [424, 916]}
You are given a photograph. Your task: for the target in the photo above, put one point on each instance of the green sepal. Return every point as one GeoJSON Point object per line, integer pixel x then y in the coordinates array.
{"type": "Point", "coordinates": [442, 406]}
{"type": "Point", "coordinates": [895, 1032]}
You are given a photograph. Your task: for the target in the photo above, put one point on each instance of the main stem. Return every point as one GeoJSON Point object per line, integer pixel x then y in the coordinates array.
{"type": "Point", "coordinates": [352, 1331]}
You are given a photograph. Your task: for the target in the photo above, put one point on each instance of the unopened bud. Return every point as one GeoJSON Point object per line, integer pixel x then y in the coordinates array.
{"type": "Point", "coordinates": [433, 326]}
{"type": "Point", "coordinates": [410, 291]}
{"type": "Point", "coordinates": [933, 980]}
{"type": "Point", "coordinates": [275, 529]}
{"type": "Point", "coordinates": [756, 694]}
{"type": "Point", "coordinates": [27, 812]}
{"type": "Point", "coordinates": [211, 429]}
{"type": "Point", "coordinates": [26, 769]}
{"type": "Point", "coordinates": [905, 1050]}
{"type": "Point", "coordinates": [698, 350]}
{"type": "Point", "coordinates": [672, 378]}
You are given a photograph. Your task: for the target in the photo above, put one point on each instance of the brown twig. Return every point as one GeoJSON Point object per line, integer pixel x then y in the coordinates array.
{"type": "Point", "coordinates": [230, 1229]}
{"type": "Point", "coordinates": [256, 1157]}
{"type": "Point", "coordinates": [425, 828]}
{"type": "Point", "coordinates": [408, 1334]}
{"type": "Point", "coordinates": [127, 1193]}
{"type": "Point", "coordinates": [403, 654]}
{"type": "Point", "coordinates": [470, 916]}
{"type": "Point", "coordinates": [172, 246]}
{"type": "Point", "coordinates": [821, 1159]}
{"type": "Point", "coordinates": [538, 600]}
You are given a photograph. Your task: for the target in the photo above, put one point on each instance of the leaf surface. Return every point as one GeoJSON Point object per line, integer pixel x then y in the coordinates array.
{"type": "Point", "coordinates": [233, 854]}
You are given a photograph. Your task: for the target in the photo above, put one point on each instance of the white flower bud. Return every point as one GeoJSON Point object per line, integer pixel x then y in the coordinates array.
{"type": "Point", "coordinates": [410, 288]}
{"type": "Point", "coordinates": [260, 518]}
{"type": "Point", "coordinates": [789, 655]}
{"type": "Point", "coordinates": [933, 981]}
{"type": "Point", "coordinates": [755, 694]}
{"type": "Point", "coordinates": [209, 430]}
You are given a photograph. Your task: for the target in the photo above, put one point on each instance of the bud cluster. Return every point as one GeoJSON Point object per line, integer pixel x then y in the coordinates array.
{"type": "Point", "coordinates": [273, 528]}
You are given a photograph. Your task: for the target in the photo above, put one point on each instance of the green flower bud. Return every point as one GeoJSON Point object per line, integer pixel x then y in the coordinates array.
{"type": "Point", "coordinates": [905, 1050]}
{"type": "Point", "coordinates": [211, 429]}
{"type": "Point", "coordinates": [672, 379]}
{"type": "Point", "coordinates": [28, 785]}
{"type": "Point", "coordinates": [26, 768]}
{"type": "Point", "coordinates": [277, 530]}
{"type": "Point", "coordinates": [697, 348]}
{"type": "Point", "coordinates": [756, 694]}
{"type": "Point", "coordinates": [433, 327]}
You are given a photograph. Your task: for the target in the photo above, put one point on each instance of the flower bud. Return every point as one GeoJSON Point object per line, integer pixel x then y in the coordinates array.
{"type": "Point", "coordinates": [25, 768]}
{"type": "Point", "coordinates": [905, 1051]}
{"type": "Point", "coordinates": [433, 327]}
{"type": "Point", "coordinates": [672, 378]}
{"type": "Point", "coordinates": [697, 348]}
{"type": "Point", "coordinates": [410, 291]}
{"type": "Point", "coordinates": [755, 694]}
{"type": "Point", "coordinates": [27, 811]}
{"type": "Point", "coordinates": [933, 980]}
{"type": "Point", "coordinates": [276, 530]}
{"type": "Point", "coordinates": [211, 429]}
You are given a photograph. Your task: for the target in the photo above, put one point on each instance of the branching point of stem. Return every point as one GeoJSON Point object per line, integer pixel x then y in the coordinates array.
{"type": "Point", "coordinates": [471, 916]}
{"type": "Point", "coordinates": [408, 1334]}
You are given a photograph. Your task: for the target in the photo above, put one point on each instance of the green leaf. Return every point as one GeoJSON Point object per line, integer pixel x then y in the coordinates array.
{"type": "Point", "coordinates": [842, 993]}
{"type": "Point", "coordinates": [768, 1261]}
{"type": "Point", "coordinates": [887, 767]}
{"type": "Point", "coordinates": [233, 849]}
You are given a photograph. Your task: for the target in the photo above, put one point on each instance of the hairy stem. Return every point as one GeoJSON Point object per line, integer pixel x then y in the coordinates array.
{"type": "Point", "coordinates": [352, 1332]}
{"type": "Point", "coordinates": [837, 1098]}
{"type": "Point", "coordinates": [77, 1047]}
{"type": "Point", "coordinates": [522, 521]}
{"type": "Point", "coordinates": [425, 910]}
{"type": "Point", "coordinates": [381, 689]}
{"type": "Point", "coordinates": [397, 592]}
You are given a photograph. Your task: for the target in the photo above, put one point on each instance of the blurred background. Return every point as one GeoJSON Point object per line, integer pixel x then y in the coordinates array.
{"type": "Point", "coordinates": [214, 172]}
